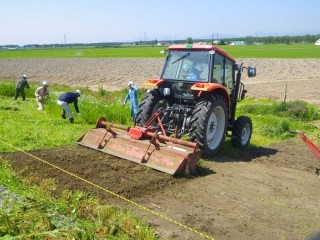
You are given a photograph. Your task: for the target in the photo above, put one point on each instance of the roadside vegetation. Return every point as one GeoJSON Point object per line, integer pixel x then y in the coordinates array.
{"type": "Point", "coordinates": [32, 211]}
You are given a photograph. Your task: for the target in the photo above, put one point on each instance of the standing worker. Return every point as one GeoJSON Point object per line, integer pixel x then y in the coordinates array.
{"type": "Point", "coordinates": [21, 84]}
{"type": "Point", "coordinates": [41, 93]}
{"type": "Point", "coordinates": [65, 99]}
{"type": "Point", "coordinates": [133, 96]}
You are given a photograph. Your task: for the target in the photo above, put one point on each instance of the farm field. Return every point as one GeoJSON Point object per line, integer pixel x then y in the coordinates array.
{"type": "Point", "coordinates": [300, 76]}
{"type": "Point", "coordinates": [249, 51]}
{"type": "Point", "coordinates": [265, 192]}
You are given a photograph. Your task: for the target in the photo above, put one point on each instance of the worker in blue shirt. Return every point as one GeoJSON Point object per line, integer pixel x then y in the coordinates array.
{"type": "Point", "coordinates": [195, 74]}
{"type": "Point", "coordinates": [133, 96]}
{"type": "Point", "coordinates": [65, 99]}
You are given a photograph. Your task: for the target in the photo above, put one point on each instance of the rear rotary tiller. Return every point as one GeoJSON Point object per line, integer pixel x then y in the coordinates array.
{"type": "Point", "coordinates": [147, 145]}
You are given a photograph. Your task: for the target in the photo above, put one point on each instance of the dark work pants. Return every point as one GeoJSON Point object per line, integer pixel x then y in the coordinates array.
{"type": "Point", "coordinates": [18, 92]}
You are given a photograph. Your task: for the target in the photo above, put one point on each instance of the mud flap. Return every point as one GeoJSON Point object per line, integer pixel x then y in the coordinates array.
{"type": "Point", "coordinates": [163, 156]}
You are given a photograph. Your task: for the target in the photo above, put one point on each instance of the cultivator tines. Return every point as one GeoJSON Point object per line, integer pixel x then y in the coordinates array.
{"type": "Point", "coordinates": [143, 145]}
{"type": "Point", "coordinates": [313, 148]}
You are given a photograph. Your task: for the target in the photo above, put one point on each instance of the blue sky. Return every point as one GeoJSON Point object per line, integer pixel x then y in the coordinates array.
{"type": "Point", "coordinates": [89, 21]}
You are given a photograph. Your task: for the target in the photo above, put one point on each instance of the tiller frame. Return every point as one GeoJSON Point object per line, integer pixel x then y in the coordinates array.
{"type": "Point", "coordinates": [145, 145]}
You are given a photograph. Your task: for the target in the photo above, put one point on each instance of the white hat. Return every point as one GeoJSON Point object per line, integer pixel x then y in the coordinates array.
{"type": "Point", "coordinates": [25, 76]}
{"type": "Point", "coordinates": [130, 83]}
{"type": "Point", "coordinates": [79, 92]}
{"type": "Point", "coordinates": [45, 83]}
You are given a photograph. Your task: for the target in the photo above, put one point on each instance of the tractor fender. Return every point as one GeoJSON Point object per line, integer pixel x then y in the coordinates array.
{"type": "Point", "coordinates": [153, 83]}
{"type": "Point", "coordinates": [212, 88]}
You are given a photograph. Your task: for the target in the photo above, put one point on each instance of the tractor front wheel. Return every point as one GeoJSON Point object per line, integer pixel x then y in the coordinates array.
{"type": "Point", "coordinates": [208, 124]}
{"type": "Point", "coordinates": [148, 106]}
{"type": "Point", "coordinates": [241, 133]}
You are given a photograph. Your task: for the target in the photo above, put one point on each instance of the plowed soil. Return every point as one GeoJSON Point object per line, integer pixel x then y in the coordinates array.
{"type": "Point", "coordinates": [259, 193]}
{"type": "Point", "coordinates": [300, 77]}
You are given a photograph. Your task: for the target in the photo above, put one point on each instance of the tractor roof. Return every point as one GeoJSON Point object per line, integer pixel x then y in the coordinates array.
{"type": "Point", "coordinates": [197, 47]}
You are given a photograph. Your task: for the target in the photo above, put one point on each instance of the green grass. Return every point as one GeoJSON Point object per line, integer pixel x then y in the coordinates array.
{"type": "Point", "coordinates": [30, 211]}
{"type": "Point", "coordinates": [274, 51]}
{"type": "Point", "coordinates": [249, 51]}
{"type": "Point", "coordinates": [89, 52]}
{"type": "Point", "coordinates": [273, 119]}
{"type": "Point", "coordinates": [27, 128]}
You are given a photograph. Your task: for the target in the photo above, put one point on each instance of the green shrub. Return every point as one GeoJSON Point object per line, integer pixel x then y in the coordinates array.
{"type": "Point", "coordinates": [101, 91]}
{"type": "Point", "coordinates": [298, 110]}
{"type": "Point", "coordinates": [279, 129]}
{"type": "Point", "coordinates": [7, 89]}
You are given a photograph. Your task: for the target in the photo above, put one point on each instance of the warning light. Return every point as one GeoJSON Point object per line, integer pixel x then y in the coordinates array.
{"type": "Point", "coordinates": [199, 85]}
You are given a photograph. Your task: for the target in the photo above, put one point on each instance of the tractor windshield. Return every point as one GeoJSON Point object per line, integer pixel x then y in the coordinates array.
{"type": "Point", "coordinates": [187, 66]}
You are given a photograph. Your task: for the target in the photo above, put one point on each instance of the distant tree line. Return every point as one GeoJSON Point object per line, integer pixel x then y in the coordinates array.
{"type": "Point", "coordinates": [278, 40]}
{"type": "Point", "coordinates": [223, 41]}
{"type": "Point", "coordinates": [248, 40]}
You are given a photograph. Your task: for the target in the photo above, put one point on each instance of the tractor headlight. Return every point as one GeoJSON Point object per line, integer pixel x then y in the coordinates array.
{"type": "Point", "coordinates": [166, 92]}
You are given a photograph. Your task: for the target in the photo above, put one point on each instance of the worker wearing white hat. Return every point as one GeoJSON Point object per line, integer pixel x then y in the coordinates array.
{"type": "Point", "coordinates": [41, 93]}
{"type": "Point", "coordinates": [133, 96]}
{"type": "Point", "coordinates": [21, 84]}
{"type": "Point", "coordinates": [67, 98]}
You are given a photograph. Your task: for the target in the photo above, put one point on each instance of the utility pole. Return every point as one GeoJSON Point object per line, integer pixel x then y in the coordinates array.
{"type": "Point", "coordinates": [145, 37]}
{"type": "Point", "coordinates": [285, 93]}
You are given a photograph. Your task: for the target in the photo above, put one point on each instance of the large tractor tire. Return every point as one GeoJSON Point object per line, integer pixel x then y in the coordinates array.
{"type": "Point", "coordinates": [148, 106]}
{"type": "Point", "coordinates": [241, 133]}
{"type": "Point", "coordinates": [208, 125]}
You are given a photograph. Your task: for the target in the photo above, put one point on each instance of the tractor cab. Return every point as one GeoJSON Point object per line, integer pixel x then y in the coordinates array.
{"type": "Point", "coordinates": [187, 68]}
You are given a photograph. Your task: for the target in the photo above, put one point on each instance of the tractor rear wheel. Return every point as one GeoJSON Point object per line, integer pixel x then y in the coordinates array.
{"type": "Point", "coordinates": [208, 125]}
{"type": "Point", "coordinates": [148, 106]}
{"type": "Point", "coordinates": [241, 133]}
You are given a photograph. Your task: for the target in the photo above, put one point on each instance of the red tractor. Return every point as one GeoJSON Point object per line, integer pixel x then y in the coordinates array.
{"type": "Point", "coordinates": [197, 93]}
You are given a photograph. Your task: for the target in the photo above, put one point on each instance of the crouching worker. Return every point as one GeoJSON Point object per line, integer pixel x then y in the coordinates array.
{"type": "Point", "coordinates": [65, 99]}
{"type": "Point", "coordinates": [41, 93]}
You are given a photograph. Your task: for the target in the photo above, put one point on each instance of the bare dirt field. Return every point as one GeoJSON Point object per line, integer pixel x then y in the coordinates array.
{"type": "Point", "coordinates": [262, 193]}
{"type": "Point", "coordinates": [302, 76]}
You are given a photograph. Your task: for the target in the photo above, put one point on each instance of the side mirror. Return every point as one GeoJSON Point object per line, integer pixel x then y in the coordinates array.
{"type": "Point", "coordinates": [252, 71]}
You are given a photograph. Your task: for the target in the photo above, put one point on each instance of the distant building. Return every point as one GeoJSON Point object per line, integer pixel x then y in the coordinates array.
{"type": "Point", "coordinates": [238, 43]}
{"type": "Point", "coordinates": [317, 43]}
{"type": "Point", "coordinates": [162, 43]}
